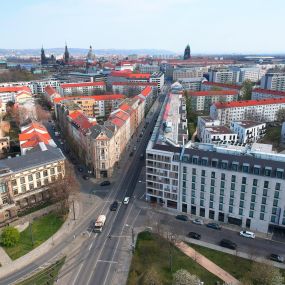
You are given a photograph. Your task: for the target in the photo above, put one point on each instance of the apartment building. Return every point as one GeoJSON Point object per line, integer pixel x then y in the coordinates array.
{"type": "Point", "coordinates": [221, 75]}
{"type": "Point", "coordinates": [273, 81]}
{"type": "Point", "coordinates": [202, 100]}
{"type": "Point", "coordinates": [205, 122]}
{"type": "Point", "coordinates": [240, 74]}
{"type": "Point", "coordinates": [258, 94]}
{"type": "Point", "coordinates": [192, 84]}
{"type": "Point", "coordinates": [95, 105]}
{"type": "Point", "coordinates": [239, 185]}
{"type": "Point", "coordinates": [264, 110]}
{"type": "Point", "coordinates": [248, 131]}
{"type": "Point", "coordinates": [218, 135]}
{"type": "Point", "coordinates": [131, 88]}
{"type": "Point", "coordinates": [149, 68]}
{"type": "Point", "coordinates": [182, 73]}
{"type": "Point", "coordinates": [83, 88]}
{"type": "Point", "coordinates": [157, 77]}
{"type": "Point", "coordinates": [26, 180]}
{"type": "Point", "coordinates": [50, 94]}
{"type": "Point", "coordinates": [206, 86]}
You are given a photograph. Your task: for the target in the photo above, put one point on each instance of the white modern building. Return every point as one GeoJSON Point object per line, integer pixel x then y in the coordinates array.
{"type": "Point", "coordinates": [202, 100]}
{"type": "Point", "coordinates": [248, 131]}
{"type": "Point", "coordinates": [221, 75]}
{"type": "Point", "coordinates": [192, 84]}
{"type": "Point", "coordinates": [205, 122]}
{"type": "Point", "coordinates": [273, 81]}
{"type": "Point", "coordinates": [266, 94]}
{"type": "Point", "coordinates": [218, 135]}
{"type": "Point", "coordinates": [228, 184]}
{"type": "Point", "coordinates": [259, 110]}
{"type": "Point", "coordinates": [157, 77]}
{"type": "Point", "coordinates": [83, 88]}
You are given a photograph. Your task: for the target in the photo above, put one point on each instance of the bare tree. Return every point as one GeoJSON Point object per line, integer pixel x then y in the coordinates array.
{"type": "Point", "coordinates": [42, 115]}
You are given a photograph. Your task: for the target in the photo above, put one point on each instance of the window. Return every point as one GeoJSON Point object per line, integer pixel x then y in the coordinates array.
{"type": "Point", "coordinates": [214, 163]}
{"type": "Point", "coordinates": [193, 186]}
{"type": "Point", "coordinates": [184, 176]}
{"type": "Point", "coordinates": [202, 180]}
{"type": "Point", "coordinates": [275, 202]}
{"type": "Point", "coordinates": [252, 205]}
{"type": "Point", "coordinates": [267, 171]}
{"type": "Point", "coordinates": [222, 192]}
{"type": "Point", "coordinates": [276, 194]}
{"type": "Point", "coordinates": [265, 192]}
{"type": "Point", "coordinates": [45, 173]}
{"type": "Point", "coordinates": [234, 166]}
{"type": "Point", "coordinates": [277, 186]}
{"type": "Point", "coordinates": [233, 186]}
{"type": "Point", "coordinates": [14, 183]}
{"type": "Point", "coordinates": [195, 160]}
{"type": "Point", "coordinates": [273, 219]}
{"type": "Point", "coordinates": [242, 196]}
{"type": "Point", "coordinates": [253, 198]}
{"type": "Point", "coordinates": [184, 184]}
{"type": "Point", "coordinates": [23, 188]}
{"type": "Point", "coordinates": [184, 169]}
{"type": "Point", "coordinates": [231, 202]}
{"type": "Point", "coordinates": [202, 195]}
{"type": "Point", "coordinates": [245, 168]}
{"type": "Point", "coordinates": [241, 204]}
{"type": "Point", "coordinates": [266, 183]}
{"type": "Point", "coordinates": [30, 177]}
{"type": "Point", "coordinates": [230, 209]}
{"type": "Point", "coordinates": [221, 207]}
{"type": "Point", "coordinates": [233, 178]}
{"type": "Point", "coordinates": [192, 200]}
{"type": "Point", "coordinates": [261, 216]}
{"type": "Point", "coordinates": [202, 187]}
{"type": "Point", "coordinates": [251, 214]}
{"type": "Point", "coordinates": [221, 199]}
{"type": "Point", "coordinates": [202, 203]}
{"type": "Point", "coordinates": [253, 190]}
{"type": "Point", "coordinates": [240, 212]}
{"type": "Point", "coordinates": [223, 176]}
{"type": "Point", "coordinates": [254, 182]}
{"type": "Point", "coordinates": [274, 211]}
{"type": "Point", "coordinates": [193, 178]}
{"type": "Point", "coordinates": [222, 184]}
{"type": "Point", "coordinates": [192, 193]}
{"type": "Point", "coordinates": [213, 174]}
{"type": "Point", "coordinates": [204, 161]}
{"type": "Point", "coordinates": [203, 172]}
{"type": "Point", "coordinates": [211, 204]}
{"type": "Point", "coordinates": [22, 180]}
{"type": "Point", "coordinates": [31, 186]}
{"type": "Point", "coordinates": [211, 197]}
{"type": "Point", "coordinates": [59, 168]}
{"type": "Point", "coordinates": [38, 175]}
{"type": "Point", "coordinates": [263, 200]}
{"type": "Point", "coordinates": [52, 171]}
{"type": "Point", "coordinates": [279, 173]}
{"type": "Point", "coordinates": [256, 170]}
{"type": "Point", "coordinates": [212, 189]}
{"type": "Point", "coordinates": [193, 171]}
{"type": "Point", "coordinates": [243, 180]}
{"type": "Point", "coordinates": [242, 189]}
{"type": "Point", "coordinates": [212, 182]}
{"type": "Point", "coordinates": [224, 165]}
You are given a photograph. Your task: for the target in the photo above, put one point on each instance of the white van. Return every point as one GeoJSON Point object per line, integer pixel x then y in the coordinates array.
{"type": "Point", "coordinates": [247, 234]}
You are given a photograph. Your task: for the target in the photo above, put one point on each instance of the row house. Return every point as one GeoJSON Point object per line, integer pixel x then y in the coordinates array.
{"type": "Point", "coordinates": [82, 88]}
{"type": "Point", "coordinates": [50, 94]}
{"type": "Point", "coordinates": [264, 110]}
{"type": "Point", "coordinates": [202, 100]}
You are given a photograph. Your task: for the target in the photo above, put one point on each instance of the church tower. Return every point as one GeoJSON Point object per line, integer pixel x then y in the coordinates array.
{"type": "Point", "coordinates": [66, 55]}
{"type": "Point", "coordinates": [43, 56]}
{"type": "Point", "coordinates": [187, 52]}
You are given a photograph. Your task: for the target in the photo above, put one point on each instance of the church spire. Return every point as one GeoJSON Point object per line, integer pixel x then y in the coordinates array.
{"type": "Point", "coordinates": [43, 56]}
{"type": "Point", "coordinates": [66, 55]}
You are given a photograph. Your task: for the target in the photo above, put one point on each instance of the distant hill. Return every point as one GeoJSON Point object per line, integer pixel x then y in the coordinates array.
{"type": "Point", "coordinates": [81, 51]}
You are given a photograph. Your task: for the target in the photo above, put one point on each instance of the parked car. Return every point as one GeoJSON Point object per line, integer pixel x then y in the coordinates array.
{"type": "Point", "coordinates": [80, 169]}
{"type": "Point", "coordinates": [134, 148]}
{"type": "Point", "coordinates": [105, 183]}
{"type": "Point", "coordinates": [276, 257]}
{"type": "Point", "coordinates": [247, 234]}
{"type": "Point", "coordinates": [228, 244]}
{"type": "Point", "coordinates": [85, 177]}
{"type": "Point", "coordinates": [214, 226]}
{"type": "Point", "coordinates": [126, 200]}
{"type": "Point", "coordinates": [114, 206]}
{"type": "Point", "coordinates": [182, 218]}
{"type": "Point", "coordinates": [198, 222]}
{"type": "Point", "coordinates": [131, 153]}
{"type": "Point", "coordinates": [194, 235]}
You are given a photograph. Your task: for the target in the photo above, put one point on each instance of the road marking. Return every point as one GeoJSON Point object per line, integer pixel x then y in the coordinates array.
{"type": "Point", "coordinates": [74, 281]}
{"type": "Point", "coordinates": [142, 195]}
{"type": "Point", "coordinates": [107, 261]}
{"type": "Point", "coordinates": [90, 245]}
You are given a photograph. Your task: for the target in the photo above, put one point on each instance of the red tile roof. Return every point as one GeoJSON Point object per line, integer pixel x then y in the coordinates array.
{"type": "Point", "coordinates": [216, 84]}
{"type": "Point", "coordinates": [34, 125]}
{"type": "Point", "coordinates": [234, 104]}
{"type": "Point", "coordinates": [122, 115]}
{"type": "Point", "coordinates": [120, 73]}
{"type": "Point", "coordinates": [81, 120]}
{"type": "Point", "coordinates": [271, 92]}
{"type": "Point", "coordinates": [213, 93]}
{"type": "Point", "coordinates": [118, 122]}
{"type": "Point", "coordinates": [92, 97]}
{"type": "Point", "coordinates": [14, 89]}
{"type": "Point", "coordinates": [82, 84]}
{"type": "Point", "coordinates": [139, 75]}
{"type": "Point", "coordinates": [50, 90]}
{"type": "Point", "coordinates": [146, 92]}
{"type": "Point", "coordinates": [135, 83]}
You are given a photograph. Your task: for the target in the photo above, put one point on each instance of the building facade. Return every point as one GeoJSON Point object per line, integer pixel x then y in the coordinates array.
{"type": "Point", "coordinates": [258, 94]}
{"type": "Point", "coordinates": [273, 81]}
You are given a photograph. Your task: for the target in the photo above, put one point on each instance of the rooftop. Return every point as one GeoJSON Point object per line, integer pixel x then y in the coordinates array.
{"type": "Point", "coordinates": [234, 104]}
{"type": "Point", "coordinates": [271, 92]}
{"type": "Point", "coordinates": [222, 85]}
{"type": "Point", "coordinates": [248, 123]}
{"type": "Point", "coordinates": [214, 93]}
{"type": "Point", "coordinates": [219, 130]}
{"type": "Point", "coordinates": [82, 84]}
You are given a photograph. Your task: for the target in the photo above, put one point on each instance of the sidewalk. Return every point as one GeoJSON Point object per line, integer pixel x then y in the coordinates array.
{"type": "Point", "coordinates": [62, 234]}
{"type": "Point", "coordinates": [207, 264]}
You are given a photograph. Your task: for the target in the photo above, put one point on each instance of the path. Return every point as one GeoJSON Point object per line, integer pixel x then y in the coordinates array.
{"type": "Point", "coordinates": [207, 264]}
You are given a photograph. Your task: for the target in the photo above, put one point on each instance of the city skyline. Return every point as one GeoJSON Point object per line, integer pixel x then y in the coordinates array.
{"type": "Point", "coordinates": [209, 26]}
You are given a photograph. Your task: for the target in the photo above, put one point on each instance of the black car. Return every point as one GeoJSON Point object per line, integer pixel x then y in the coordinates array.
{"type": "Point", "coordinates": [228, 244]}
{"type": "Point", "coordinates": [182, 218]}
{"type": "Point", "coordinates": [276, 257]}
{"type": "Point", "coordinates": [105, 183]}
{"type": "Point", "coordinates": [131, 153]}
{"type": "Point", "coordinates": [214, 226]}
{"type": "Point", "coordinates": [85, 177]}
{"type": "Point", "coordinates": [194, 235]}
{"type": "Point", "coordinates": [80, 169]}
{"type": "Point", "coordinates": [114, 206]}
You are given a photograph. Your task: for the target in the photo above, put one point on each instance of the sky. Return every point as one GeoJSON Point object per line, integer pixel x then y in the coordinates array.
{"type": "Point", "coordinates": [209, 26]}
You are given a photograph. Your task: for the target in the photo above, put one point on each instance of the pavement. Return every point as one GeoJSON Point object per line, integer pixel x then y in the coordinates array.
{"type": "Point", "coordinates": [207, 264]}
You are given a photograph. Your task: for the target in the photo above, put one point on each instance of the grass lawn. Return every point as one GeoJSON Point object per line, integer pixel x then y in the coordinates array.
{"type": "Point", "coordinates": [153, 252]}
{"type": "Point", "coordinates": [272, 136]}
{"type": "Point", "coordinates": [42, 229]}
{"type": "Point", "coordinates": [46, 276]}
{"type": "Point", "coordinates": [236, 266]}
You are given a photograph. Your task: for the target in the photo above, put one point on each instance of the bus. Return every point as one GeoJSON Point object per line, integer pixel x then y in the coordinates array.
{"type": "Point", "coordinates": [99, 224]}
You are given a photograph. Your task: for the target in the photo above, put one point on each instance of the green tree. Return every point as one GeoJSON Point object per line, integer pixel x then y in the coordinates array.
{"type": "Point", "coordinates": [151, 277]}
{"type": "Point", "coordinates": [280, 115]}
{"type": "Point", "coordinates": [246, 89]}
{"type": "Point", "coordinates": [183, 277]}
{"type": "Point", "coordinates": [10, 236]}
